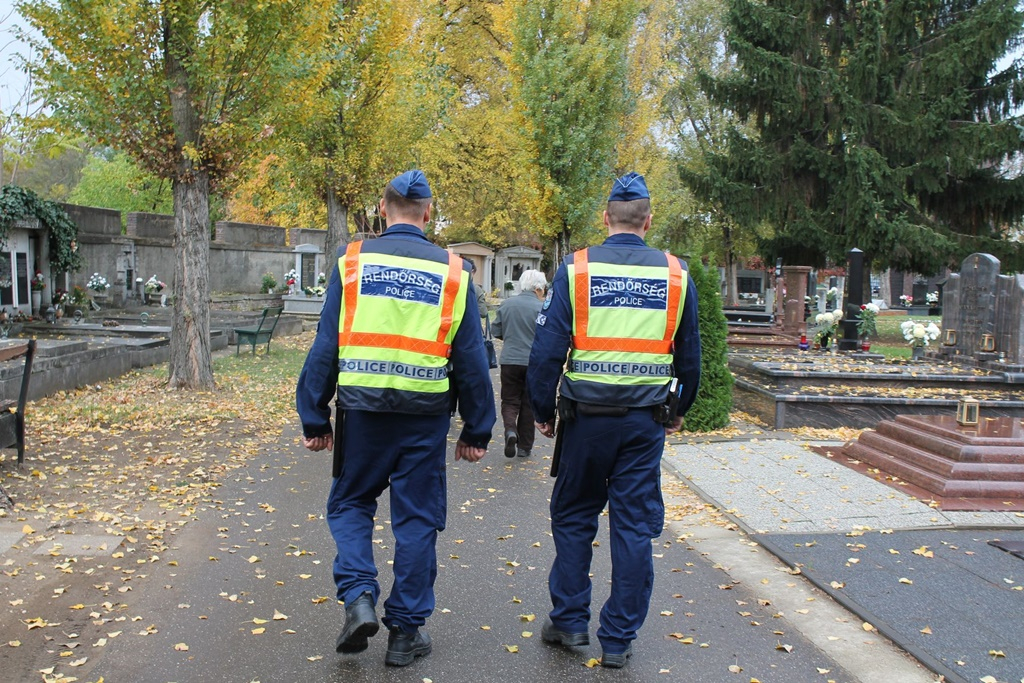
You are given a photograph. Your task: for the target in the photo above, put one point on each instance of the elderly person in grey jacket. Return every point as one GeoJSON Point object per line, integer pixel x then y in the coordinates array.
{"type": "Point", "coordinates": [514, 323]}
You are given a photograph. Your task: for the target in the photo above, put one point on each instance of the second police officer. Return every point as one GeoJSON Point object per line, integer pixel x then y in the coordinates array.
{"type": "Point", "coordinates": [392, 345]}
{"type": "Point", "coordinates": [626, 316]}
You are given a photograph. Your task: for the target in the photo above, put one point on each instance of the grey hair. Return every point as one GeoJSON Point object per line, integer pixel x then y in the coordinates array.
{"type": "Point", "coordinates": [532, 281]}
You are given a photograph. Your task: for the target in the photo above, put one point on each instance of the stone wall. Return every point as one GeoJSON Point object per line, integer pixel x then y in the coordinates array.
{"type": "Point", "coordinates": [297, 236]}
{"type": "Point", "coordinates": [155, 225]}
{"type": "Point", "coordinates": [240, 253]}
{"type": "Point", "coordinates": [250, 234]}
{"type": "Point", "coordinates": [95, 221]}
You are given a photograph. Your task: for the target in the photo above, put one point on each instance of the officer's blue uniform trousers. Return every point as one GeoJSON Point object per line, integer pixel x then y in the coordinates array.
{"type": "Point", "coordinates": [613, 460]}
{"type": "Point", "coordinates": [405, 451]}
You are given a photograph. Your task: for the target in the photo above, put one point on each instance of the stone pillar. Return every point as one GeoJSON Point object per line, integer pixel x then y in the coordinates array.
{"type": "Point", "coordinates": [853, 300]}
{"type": "Point", "coordinates": [796, 286]}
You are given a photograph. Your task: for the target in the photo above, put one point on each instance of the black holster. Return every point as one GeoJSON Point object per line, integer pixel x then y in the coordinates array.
{"type": "Point", "coordinates": [339, 443]}
{"type": "Point", "coordinates": [566, 410]}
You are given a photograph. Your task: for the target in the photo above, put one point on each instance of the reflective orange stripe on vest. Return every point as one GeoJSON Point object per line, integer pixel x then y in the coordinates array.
{"type": "Point", "coordinates": [582, 289]}
{"type": "Point", "coordinates": [440, 348]}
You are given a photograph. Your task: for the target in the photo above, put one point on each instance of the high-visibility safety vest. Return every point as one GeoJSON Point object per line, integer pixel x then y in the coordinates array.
{"type": "Point", "coordinates": [398, 317]}
{"type": "Point", "coordinates": [625, 317]}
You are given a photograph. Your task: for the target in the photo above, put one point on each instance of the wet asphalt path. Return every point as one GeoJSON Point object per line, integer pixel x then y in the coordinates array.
{"type": "Point", "coordinates": [247, 589]}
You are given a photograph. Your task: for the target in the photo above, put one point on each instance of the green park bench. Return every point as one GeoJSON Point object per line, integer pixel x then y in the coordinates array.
{"type": "Point", "coordinates": [263, 332]}
{"type": "Point", "coordinates": [12, 424]}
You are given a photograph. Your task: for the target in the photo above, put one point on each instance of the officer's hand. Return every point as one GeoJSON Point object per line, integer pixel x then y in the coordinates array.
{"type": "Point", "coordinates": [319, 443]}
{"type": "Point", "coordinates": [463, 451]}
{"type": "Point", "coordinates": [546, 428]}
{"type": "Point", "coordinates": [674, 426]}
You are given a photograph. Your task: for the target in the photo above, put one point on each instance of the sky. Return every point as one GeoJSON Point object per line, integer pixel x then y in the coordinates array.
{"type": "Point", "coordinates": [12, 81]}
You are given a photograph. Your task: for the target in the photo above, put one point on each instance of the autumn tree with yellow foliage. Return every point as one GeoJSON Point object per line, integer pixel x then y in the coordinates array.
{"type": "Point", "coordinates": [184, 88]}
{"type": "Point", "coordinates": [378, 91]}
{"type": "Point", "coordinates": [477, 159]}
{"type": "Point", "coordinates": [569, 76]}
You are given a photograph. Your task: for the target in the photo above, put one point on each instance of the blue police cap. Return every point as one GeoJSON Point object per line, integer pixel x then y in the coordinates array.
{"type": "Point", "coordinates": [629, 187]}
{"type": "Point", "coordinates": [412, 185]}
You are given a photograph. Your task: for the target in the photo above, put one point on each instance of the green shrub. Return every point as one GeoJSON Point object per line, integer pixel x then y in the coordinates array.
{"type": "Point", "coordinates": [714, 397]}
{"type": "Point", "coordinates": [268, 284]}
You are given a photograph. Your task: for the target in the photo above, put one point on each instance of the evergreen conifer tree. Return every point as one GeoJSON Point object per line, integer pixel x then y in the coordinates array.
{"type": "Point", "coordinates": [714, 397]}
{"type": "Point", "coordinates": [882, 126]}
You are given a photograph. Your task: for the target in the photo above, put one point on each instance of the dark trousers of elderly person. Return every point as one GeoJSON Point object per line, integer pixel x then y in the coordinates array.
{"type": "Point", "coordinates": [516, 413]}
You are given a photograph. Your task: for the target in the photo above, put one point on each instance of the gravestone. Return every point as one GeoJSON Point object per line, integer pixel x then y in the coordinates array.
{"type": "Point", "coordinates": [978, 301]}
{"type": "Point", "coordinates": [822, 299]}
{"type": "Point", "coordinates": [920, 292]}
{"type": "Point", "coordinates": [796, 285]}
{"type": "Point", "coordinates": [853, 299]}
{"type": "Point", "coordinates": [308, 262]}
{"type": "Point", "coordinates": [919, 298]}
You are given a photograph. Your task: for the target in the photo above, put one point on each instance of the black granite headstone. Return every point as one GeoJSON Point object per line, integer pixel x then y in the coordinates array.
{"type": "Point", "coordinates": [853, 300]}
{"type": "Point", "coordinates": [920, 293]}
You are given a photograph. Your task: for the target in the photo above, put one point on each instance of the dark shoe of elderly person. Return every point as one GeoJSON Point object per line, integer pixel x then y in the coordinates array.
{"type": "Point", "coordinates": [616, 660]}
{"type": "Point", "coordinates": [549, 633]}
{"type": "Point", "coordinates": [360, 624]}
{"type": "Point", "coordinates": [404, 647]}
{"type": "Point", "coordinates": [522, 454]}
{"type": "Point", "coordinates": [511, 440]}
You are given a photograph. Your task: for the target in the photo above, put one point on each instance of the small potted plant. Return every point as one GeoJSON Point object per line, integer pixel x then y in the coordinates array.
{"type": "Point", "coordinates": [152, 288]}
{"type": "Point", "coordinates": [906, 300]}
{"type": "Point", "coordinates": [828, 329]}
{"type": "Point", "coordinates": [918, 335]}
{"type": "Point", "coordinates": [291, 278]}
{"type": "Point", "coordinates": [268, 284]}
{"type": "Point", "coordinates": [37, 284]}
{"type": "Point", "coordinates": [866, 324]}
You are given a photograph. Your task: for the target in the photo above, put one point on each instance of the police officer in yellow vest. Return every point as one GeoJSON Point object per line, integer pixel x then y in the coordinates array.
{"type": "Point", "coordinates": [392, 346]}
{"type": "Point", "coordinates": [626, 315]}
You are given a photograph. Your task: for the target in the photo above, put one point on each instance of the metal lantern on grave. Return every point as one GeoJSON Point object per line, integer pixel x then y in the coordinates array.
{"type": "Point", "coordinates": [967, 409]}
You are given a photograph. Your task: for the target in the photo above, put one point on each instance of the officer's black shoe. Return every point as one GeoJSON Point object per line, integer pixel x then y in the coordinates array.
{"type": "Point", "coordinates": [550, 634]}
{"type": "Point", "coordinates": [616, 660]}
{"type": "Point", "coordinates": [360, 624]}
{"type": "Point", "coordinates": [511, 439]}
{"type": "Point", "coordinates": [404, 647]}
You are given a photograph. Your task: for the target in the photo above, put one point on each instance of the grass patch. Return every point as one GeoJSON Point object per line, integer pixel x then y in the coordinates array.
{"type": "Point", "coordinates": [888, 339]}
{"type": "Point", "coordinates": [902, 351]}
{"type": "Point", "coordinates": [258, 387]}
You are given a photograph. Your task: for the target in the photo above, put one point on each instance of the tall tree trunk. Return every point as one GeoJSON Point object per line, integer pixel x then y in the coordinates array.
{"type": "Point", "coordinates": [730, 266]}
{"type": "Point", "coordinates": [191, 365]}
{"type": "Point", "coordinates": [337, 225]}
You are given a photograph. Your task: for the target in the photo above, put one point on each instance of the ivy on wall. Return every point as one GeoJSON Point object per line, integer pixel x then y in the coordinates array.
{"type": "Point", "coordinates": [18, 203]}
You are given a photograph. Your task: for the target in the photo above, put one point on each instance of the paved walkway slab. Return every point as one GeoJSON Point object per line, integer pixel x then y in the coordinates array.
{"type": "Point", "coordinates": [946, 596]}
{"type": "Point", "coordinates": [779, 486]}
